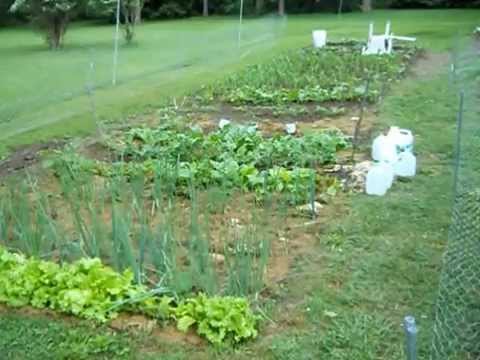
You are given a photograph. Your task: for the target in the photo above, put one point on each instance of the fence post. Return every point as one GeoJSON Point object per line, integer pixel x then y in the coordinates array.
{"type": "Point", "coordinates": [458, 147]}
{"type": "Point", "coordinates": [411, 337]}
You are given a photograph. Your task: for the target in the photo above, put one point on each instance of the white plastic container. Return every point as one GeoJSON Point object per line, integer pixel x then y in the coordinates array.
{"type": "Point", "coordinates": [319, 38]}
{"type": "Point", "coordinates": [291, 128]}
{"type": "Point", "coordinates": [402, 138]}
{"type": "Point", "coordinates": [406, 165]}
{"type": "Point", "coordinates": [379, 179]}
{"type": "Point", "coordinates": [223, 122]}
{"type": "Point", "coordinates": [384, 150]}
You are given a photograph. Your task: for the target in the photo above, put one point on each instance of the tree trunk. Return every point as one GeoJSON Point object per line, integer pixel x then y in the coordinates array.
{"type": "Point", "coordinates": [205, 7]}
{"type": "Point", "coordinates": [281, 7]}
{"type": "Point", "coordinates": [259, 4]}
{"type": "Point", "coordinates": [366, 5]}
{"type": "Point", "coordinates": [138, 12]}
{"type": "Point", "coordinates": [129, 14]}
{"type": "Point", "coordinates": [58, 27]}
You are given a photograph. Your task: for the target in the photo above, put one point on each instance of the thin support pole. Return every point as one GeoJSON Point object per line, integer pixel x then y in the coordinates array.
{"type": "Point", "coordinates": [115, 46]}
{"type": "Point", "coordinates": [340, 7]}
{"type": "Point", "coordinates": [358, 124]}
{"type": "Point", "coordinates": [90, 88]}
{"type": "Point", "coordinates": [458, 147]}
{"type": "Point", "coordinates": [411, 337]}
{"type": "Point", "coordinates": [240, 23]}
{"type": "Point", "coordinates": [313, 188]}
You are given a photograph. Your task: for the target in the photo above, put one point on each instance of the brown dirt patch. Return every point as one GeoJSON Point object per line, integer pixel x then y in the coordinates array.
{"type": "Point", "coordinates": [167, 333]}
{"type": "Point", "coordinates": [430, 64]}
{"type": "Point", "coordinates": [270, 122]}
{"type": "Point", "coordinates": [26, 156]}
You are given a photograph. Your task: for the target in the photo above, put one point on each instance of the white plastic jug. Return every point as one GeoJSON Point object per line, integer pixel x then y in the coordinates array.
{"type": "Point", "coordinates": [406, 165]}
{"type": "Point", "coordinates": [319, 38]}
{"type": "Point", "coordinates": [402, 138]}
{"type": "Point", "coordinates": [379, 179]}
{"type": "Point", "coordinates": [223, 122]}
{"type": "Point", "coordinates": [291, 128]}
{"type": "Point", "coordinates": [383, 149]}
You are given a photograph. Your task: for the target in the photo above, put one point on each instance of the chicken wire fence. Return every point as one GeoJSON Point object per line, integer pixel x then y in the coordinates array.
{"type": "Point", "coordinates": [456, 333]}
{"type": "Point", "coordinates": [78, 79]}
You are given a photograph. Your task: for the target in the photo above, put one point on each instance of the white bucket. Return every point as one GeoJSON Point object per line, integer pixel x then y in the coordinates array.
{"type": "Point", "coordinates": [319, 38]}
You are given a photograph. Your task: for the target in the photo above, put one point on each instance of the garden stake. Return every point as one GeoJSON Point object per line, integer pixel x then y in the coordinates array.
{"type": "Point", "coordinates": [411, 337]}
{"type": "Point", "coordinates": [359, 122]}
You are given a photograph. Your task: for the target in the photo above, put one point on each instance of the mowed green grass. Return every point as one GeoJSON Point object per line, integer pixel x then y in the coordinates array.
{"type": "Point", "coordinates": [43, 93]}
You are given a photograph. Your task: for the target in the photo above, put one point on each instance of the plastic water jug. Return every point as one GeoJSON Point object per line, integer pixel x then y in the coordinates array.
{"type": "Point", "coordinates": [223, 122]}
{"type": "Point", "coordinates": [379, 179]}
{"type": "Point", "coordinates": [402, 138]}
{"type": "Point", "coordinates": [383, 149]}
{"type": "Point", "coordinates": [291, 128]}
{"type": "Point", "coordinates": [406, 165]}
{"type": "Point", "coordinates": [319, 38]}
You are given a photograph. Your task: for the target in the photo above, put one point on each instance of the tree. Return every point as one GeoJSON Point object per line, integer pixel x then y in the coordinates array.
{"type": "Point", "coordinates": [281, 7]}
{"type": "Point", "coordinates": [50, 16]}
{"type": "Point", "coordinates": [205, 7]}
{"type": "Point", "coordinates": [259, 5]}
{"type": "Point", "coordinates": [4, 13]}
{"type": "Point", "coordinates": [138, 12]}
{"type": "Point", "coordinates": [130, 9]}
{"type": "Point", "coordinates": [366, 5]}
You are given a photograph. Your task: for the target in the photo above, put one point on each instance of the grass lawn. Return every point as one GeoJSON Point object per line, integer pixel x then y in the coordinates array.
{"type": "Point", "coordinates": [43, 92]}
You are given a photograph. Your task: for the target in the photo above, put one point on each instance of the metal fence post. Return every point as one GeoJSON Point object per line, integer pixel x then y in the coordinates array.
{"type": "Point", "coordinates": [411, 337]}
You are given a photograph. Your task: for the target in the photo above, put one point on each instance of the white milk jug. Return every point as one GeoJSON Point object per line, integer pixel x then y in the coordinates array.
{"type": "Point", "coordinates": [319, 38]}
{"type": "Point", "coordinates": [406, 165]}
{"type": "Point", "coordinates": [383, 149]}
{"type": "Point", "coordinates": [402, 138]}
{"type": "Point", "coordinates": [223, 122]}
{"type": "Point", "coordinates": [291, 128]}
{"type": "Point", "coordinates": [379, 179]}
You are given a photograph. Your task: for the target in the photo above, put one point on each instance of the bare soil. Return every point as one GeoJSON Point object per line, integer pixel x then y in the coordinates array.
{"type": "Point", "coordinates": [26, 156]}
{"type": "Point", "coordinates": [430, 64]}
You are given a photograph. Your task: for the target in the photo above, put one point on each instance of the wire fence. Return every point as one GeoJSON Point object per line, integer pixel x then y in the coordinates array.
{"type": "Point", "coordinates": [456, 334]}
{"type": "Point", "coordinates": [62, 83]}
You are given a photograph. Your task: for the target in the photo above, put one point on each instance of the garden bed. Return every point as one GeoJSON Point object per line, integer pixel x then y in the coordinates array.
{"type": "Point", "coordinates": [191, 208]}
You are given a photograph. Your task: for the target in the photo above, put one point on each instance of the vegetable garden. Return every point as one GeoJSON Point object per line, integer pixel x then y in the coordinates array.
{"type": "Point", "coordinates": [183, 221]}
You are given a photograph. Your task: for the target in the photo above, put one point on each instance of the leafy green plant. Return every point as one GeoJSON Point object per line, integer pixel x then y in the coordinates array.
{"type": "Point", "coordinates": [335, 73]}
{"type": "Point", "coordinates": [219, 319]}
{"type": "Point", "coordinates": [91, 290]}
{"type": "Point", "coordinates": [85, 288]}
{"type": "Point", "coordinates": [232, 157]}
